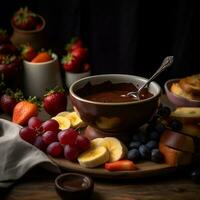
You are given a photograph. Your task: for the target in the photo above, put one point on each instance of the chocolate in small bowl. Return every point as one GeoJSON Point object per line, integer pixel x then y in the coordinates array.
{"type": "Point", "coordinates": [74, 186]}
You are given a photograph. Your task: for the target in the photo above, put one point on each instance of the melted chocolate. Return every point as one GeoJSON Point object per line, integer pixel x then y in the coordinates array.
{"type": "Point", "coordinates": [109, 92]}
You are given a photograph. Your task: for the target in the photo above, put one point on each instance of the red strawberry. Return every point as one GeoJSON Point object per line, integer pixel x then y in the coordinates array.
{"type": "Point", "coordinates": [55, 101]}
{"type": "Point", "coordinates": [9, 100]}
{"type": "Point", "coordinates": [80, 54]}
{"type": "Point", "coordinates": [120, 165]}
{"type": "Point", "coordinates": [9, 66]}
{"type": "Point", "coordinates": [27, 52]}
{"type": "Point", "coordinates": [74, 44]}
{"type": "Point", "coordinates": [24, 110]}
{"type": "Point", "coordinates": [70, 63]}
{"type": "Point", "coordinates": [25, 19]}
{"type": "Point", "coordinates": [86, 67]}
{"type": "Point", "coordinates": [4, 38]}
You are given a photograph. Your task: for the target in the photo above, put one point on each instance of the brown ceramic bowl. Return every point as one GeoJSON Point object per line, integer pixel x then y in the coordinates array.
{"type": "Point", "coordinates": [115, 117]}
{"type": "Point", "coordinates": [74, 186]}
{"type": "Point", "coordinates": [178, 100]}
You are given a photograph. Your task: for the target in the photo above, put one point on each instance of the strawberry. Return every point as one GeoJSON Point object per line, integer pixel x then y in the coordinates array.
{"type": "Point", "coordinates": [4, 38]}
{"type": "Point", "coordinates": [80, 54]}
{"type": "Point", "coordinates": [74, 44]}
{"type": "Point", "coordinates": [9, 66]}
{"type": "Point", "coordinates": [43, 56]}
{"type": "Point", "coordinates": [24, 110]}
{"type": "Point", "coordinates": [86, 67]}
{"type": "Point", "coordinates": [25, 19]}
{"type": "Point", "coordinates": [55, 101]}
{"type": "Point", "coordinates": [120, 165]}
{"type": "Point", "coordinates": [27, 52]}
{"type": "Point", "coordinates": [70, 63]}
{"type": "Point", "coordinates": [9, 100]}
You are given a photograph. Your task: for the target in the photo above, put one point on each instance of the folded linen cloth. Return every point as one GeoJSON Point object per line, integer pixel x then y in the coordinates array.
{"type": "Point", "coordinates": [18, 156]}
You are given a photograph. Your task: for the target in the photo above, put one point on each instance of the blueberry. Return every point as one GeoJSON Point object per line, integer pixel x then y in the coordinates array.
{"type": "Point", "coordinates": [164, 111]}
{"type": "Point", "coordinates": [154, 135]}
{"type": "Point", "coordinates": [150, 127]}
{"type": "Point", "coordinates": [195, 175]}
{"type": "Point", "coordinates": [157, 156]}
{"type": "Point", "coordinates": [176, 125]}
{"type": "Point", "coordinates": [134, 145]}
{"type": "Point", "coordinates": [133, 155]}
{"type": "Point", "coordinates": [143, 138]}
{"type": "Point", "coordinates": [160, 127]}
{"type": "Point", "coordinates": [144, 152]}
{"type": "Point", "coordinates": [152, 144]}
{"type": "Point", "coordinates": [136, 137]}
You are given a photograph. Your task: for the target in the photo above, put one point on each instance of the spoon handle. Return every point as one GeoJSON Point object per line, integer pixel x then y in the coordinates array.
{"type": "Point", "coordinates": [165, 64]}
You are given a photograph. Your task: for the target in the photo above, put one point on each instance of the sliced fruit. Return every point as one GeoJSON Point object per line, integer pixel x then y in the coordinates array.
{"type": "Point", "coordinates": [96, 142]}
{"type": "Point", "coordinates": [120, 165]}
{"type": "Point", "coordinates": [63, 122]}
{"type": "Point", "coordinates": [187, 114]}
{"type": "Point", "coordinates": [115, 147]}
{"type": "Point", "coordinates": [73, 117]}
{"type": "Point", "coordinates": [94, 157]}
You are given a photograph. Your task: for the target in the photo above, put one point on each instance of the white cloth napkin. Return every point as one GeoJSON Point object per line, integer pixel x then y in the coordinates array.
{"type": "Point", "coordinates": [18, 156]}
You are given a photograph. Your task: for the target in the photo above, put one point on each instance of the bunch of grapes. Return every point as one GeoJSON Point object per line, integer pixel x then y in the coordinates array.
{"type": "Point", "coordinates": [47, 137]}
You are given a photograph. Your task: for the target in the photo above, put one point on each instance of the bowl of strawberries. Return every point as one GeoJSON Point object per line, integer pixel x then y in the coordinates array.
{"type": "Point", "coordinates": [28, 27]}
{"type": "Point", "coordinates": [75, 62]}
{"type": "Point", "coordinates": [41, 71]}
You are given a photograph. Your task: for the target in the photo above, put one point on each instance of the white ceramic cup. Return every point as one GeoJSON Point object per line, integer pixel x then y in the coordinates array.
{"type": "Point", "coordinates": [72, 77]}
{"type": "Point", "coordinates": [41, 76]}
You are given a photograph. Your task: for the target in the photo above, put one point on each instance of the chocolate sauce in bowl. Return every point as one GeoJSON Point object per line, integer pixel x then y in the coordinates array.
{"type": "Point", "coordinates": [108, 92]}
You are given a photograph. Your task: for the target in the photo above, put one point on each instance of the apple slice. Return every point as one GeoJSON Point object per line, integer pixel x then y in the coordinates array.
{"type": "Point", "coordinates": [177, 141]}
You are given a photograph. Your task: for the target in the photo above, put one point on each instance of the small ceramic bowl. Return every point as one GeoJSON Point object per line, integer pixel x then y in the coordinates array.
{"type": "Point", "coordinates": [74, 186]}
{"type": "Point", "coordinates": [178, 100]}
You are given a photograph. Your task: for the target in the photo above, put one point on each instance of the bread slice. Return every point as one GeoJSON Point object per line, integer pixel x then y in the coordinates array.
{"type": "Point", "coordinates": [177, 90]}
{"type": "Point", "coordinates": [174, 157]}
{"type": "Point", "coordinates": [187, 115]}
{"type": "Point", "coordinates": [191, 130]}
{"type": "Point", "coordinates": [177, 141]}
{"type": "Point", "coordinates": [191, 84]}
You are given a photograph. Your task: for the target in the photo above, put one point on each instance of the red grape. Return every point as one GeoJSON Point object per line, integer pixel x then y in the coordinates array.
{"type": "Point", "coordinates": [82, 142]}
{"type": "Point", "coordinates": [71, 153]}
{"type": "Point", "coordinates": [39, 143]}
{"type": "Point", "coordinates": [27, 134]}
{"type": "Point", "coordinates": [67, 136]}
{"type": "Point", "coordinates": [50, 125]}
{"type": "Point", "coordinates": [55, 149]}
{"type": "Point", "coordinates": [34, 123]}
{"type": "Point", "coordinates": [49, 137]}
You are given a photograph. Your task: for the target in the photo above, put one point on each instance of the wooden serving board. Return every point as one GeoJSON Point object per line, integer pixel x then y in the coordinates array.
{"type": "Point", "coordinates": [145, 169]}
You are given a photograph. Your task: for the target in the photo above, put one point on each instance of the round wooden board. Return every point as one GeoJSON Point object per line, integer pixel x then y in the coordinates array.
{"type": "Point", "coordinates": [145, 169]}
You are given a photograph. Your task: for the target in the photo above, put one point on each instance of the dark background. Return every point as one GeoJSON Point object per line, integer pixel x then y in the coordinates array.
{"type": "Point", "coordinates": [127, 36]}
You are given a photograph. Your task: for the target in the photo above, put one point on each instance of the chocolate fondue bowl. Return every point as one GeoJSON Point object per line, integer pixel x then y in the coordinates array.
{"type": "Point", "coordinates": [114, 117]}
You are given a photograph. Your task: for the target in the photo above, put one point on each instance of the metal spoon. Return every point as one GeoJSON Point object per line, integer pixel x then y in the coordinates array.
{"type": "Point", "coordinates": [165, 64]}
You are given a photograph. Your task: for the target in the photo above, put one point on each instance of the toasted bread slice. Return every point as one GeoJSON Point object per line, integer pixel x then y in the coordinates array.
{"type": "Point", "coordinates": [187, 115]}
{"type": "Point", "coordinates": [191, 84]}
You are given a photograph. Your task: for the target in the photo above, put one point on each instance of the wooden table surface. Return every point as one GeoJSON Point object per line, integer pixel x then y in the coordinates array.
{"type": "Point", "coordinates": [38, 184]}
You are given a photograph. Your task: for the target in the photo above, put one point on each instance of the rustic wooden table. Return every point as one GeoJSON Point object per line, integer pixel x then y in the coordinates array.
{"type": "Point", "coordinates": [38, 184]}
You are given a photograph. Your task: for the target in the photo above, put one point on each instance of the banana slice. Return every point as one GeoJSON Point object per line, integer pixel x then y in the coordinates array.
{"type": "Point", "coordinates": [73, 117]}
{"type": "Point", "coordinates": [96, 142]}
{"type": "Point", "coordinates": [63, 122]}
{"type": "Point", "coordinates": [115, 147]}
{"type": "Point", "coordinates": [94, 157]}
